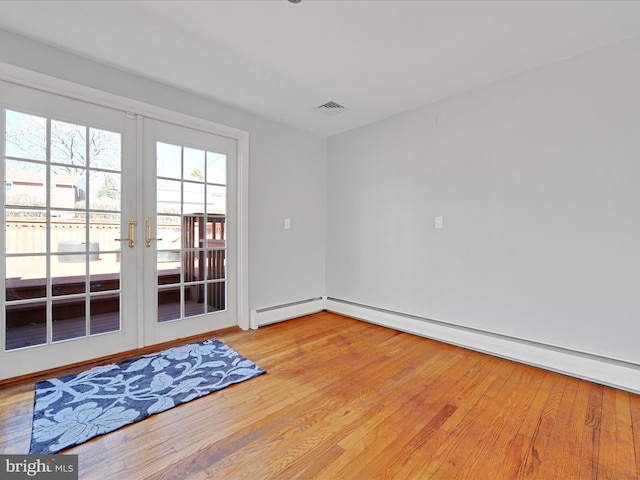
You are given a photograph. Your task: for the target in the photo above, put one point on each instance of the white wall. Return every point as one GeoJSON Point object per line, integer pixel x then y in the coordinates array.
{"type": "Point", "coordinates": [538, 180]}
{"type": "Point", "coordinates": [286, 171]}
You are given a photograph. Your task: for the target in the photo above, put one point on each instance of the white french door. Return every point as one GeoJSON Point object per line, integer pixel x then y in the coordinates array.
{"type": "Point", "coordinates": [69, 190]}
{"type": "Point", "coordinates": [119, 231]}
{"type": "Point", "coordinates": [190, 253]}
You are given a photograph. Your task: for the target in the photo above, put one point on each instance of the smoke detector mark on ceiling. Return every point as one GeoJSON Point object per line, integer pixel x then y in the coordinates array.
{"type": "Point", "coordinates": [331, 108]}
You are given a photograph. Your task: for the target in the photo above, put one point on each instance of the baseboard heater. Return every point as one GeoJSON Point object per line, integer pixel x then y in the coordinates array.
{"type": "Point", "coordinates": [279, 313]}
{"type": "Point", "coordinates": [595, 368]}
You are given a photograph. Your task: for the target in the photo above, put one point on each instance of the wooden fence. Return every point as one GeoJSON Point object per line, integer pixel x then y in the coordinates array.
{"type": "Point", "coordinates": [30, 236]}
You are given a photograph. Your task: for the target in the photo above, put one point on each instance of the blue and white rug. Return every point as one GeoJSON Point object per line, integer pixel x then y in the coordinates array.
{"type": "Point", "coordinates": [73, 409]}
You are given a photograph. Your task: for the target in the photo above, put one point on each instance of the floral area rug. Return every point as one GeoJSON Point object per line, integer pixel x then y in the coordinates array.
{"type": "Point", "coordinates": [73, 409]}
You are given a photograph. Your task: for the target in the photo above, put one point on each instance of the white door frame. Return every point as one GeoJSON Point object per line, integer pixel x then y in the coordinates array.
{"type": "Point", "coordinates": [46, 83]}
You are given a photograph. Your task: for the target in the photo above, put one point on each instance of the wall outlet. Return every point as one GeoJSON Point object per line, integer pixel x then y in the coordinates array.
{"type": "Point", "coordinates": [438, 222]}
{"type": "Point", "coordinates": [287, 223]}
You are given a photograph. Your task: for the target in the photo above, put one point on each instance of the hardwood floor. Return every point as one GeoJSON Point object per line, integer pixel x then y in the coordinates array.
{"type": "Point", "coordinates": [344, 399]}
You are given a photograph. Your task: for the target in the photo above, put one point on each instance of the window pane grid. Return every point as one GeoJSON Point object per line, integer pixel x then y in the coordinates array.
{"type": "Point", "coordinates": [61, 212]}
{"type": "Point", "coordinates": [192, 193]}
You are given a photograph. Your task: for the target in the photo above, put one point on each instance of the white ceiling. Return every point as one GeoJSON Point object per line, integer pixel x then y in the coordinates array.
{"type": "Point", "coordinates": [280, 59]}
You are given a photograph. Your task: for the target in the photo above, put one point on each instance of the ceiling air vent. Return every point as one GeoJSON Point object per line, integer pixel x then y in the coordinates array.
{"type": "Point", "coordinates": [331, 108]}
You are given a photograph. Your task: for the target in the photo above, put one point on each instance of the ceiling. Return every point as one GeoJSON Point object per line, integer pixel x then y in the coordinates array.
{"type": "Point", "coordinates": [281, 60]}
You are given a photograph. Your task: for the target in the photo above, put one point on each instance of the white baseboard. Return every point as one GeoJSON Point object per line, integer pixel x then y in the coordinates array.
{"type": "Point", "coordinates": [266, 316]}
{"type": "Point", "coordinates": [614, 373]}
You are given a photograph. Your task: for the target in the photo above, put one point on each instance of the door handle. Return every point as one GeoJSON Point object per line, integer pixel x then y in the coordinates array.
{"type": "Point", "coordinates": [149, 239]}
{"type": "Point", "coordinates": [132, 234]}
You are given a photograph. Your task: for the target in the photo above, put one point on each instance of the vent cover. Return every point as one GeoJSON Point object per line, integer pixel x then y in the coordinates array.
{"type": "Point", "coordinates": [331, 108]}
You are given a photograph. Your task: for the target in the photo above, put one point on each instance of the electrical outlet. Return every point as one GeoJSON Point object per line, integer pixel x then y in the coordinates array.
{"type": "Point", "coordinates": [287, 223]}
{"type": "Point", "coordinates": [438, 222]}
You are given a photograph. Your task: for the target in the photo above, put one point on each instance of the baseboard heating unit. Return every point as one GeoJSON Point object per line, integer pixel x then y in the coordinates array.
{"type": "Point", "coordinates": [268, 315]}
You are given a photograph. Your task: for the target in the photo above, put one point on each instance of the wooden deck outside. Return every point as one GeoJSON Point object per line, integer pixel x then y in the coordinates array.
{"type": "Point", "coordinates": [35, 334]}
{"type": "Point", "coordinates": [343, 399]}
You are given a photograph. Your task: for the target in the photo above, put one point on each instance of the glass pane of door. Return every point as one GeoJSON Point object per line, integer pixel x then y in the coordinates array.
{"type": "Point", "coordinates": [62, 208]}
{"type": "Point", "coordinates": [191, 210]}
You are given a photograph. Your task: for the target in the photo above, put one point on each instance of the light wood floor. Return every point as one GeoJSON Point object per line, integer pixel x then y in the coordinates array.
{"type": "Point", "coordinates": [343, 399]}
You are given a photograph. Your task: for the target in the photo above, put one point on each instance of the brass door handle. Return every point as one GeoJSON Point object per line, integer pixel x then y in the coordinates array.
{"type": "Point", "coordinates": [149, 239]}
{"type": "Point", "coordinates": [132, 234]}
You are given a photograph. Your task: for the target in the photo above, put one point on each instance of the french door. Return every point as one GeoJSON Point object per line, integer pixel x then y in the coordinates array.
{"type": "Point", "coordinates": [118, 231]}
{"type": "Point", "coordinates": [190, 228]}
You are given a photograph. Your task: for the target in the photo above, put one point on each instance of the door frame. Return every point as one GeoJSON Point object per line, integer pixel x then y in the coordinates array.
{"type": "Point", "coordinates": [49, 84]}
